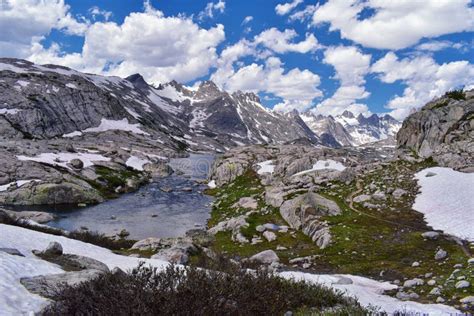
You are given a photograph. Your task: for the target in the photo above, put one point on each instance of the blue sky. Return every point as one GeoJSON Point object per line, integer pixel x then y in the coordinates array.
{"type": "Point", "coordinates": [327, 56]}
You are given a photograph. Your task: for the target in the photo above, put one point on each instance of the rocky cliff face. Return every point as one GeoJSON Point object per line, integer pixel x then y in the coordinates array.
{"type": "Point", "coordinates": [44, 102]}
{"type": "Point", "coordinates": [442, 129]}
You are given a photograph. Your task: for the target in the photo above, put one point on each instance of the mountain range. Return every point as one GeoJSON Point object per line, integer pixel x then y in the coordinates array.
{"type": "Point", "coordinates": [50, 101]}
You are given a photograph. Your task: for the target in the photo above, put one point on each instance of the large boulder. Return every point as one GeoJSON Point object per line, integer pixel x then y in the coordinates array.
{"type": "Point", "coordinates": [48, 285]}
{"type": "Point", "coordinates": [265, 257]}
{"type": "Point", "coordinates": [304, 212]}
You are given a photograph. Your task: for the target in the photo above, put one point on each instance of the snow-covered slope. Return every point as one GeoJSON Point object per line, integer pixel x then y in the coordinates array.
{"type": "Point", "coordinates": [446, 201]}
{"type": "Point", "coordinates": [15, 299]}
{"type": "Point", "coordinates": [349, 130]}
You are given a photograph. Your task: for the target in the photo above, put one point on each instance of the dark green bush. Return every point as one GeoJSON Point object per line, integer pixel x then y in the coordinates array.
{"type": "Point", "coordinates": [456, 94]}
{"type": "Point", "coordinates": [194, 291]}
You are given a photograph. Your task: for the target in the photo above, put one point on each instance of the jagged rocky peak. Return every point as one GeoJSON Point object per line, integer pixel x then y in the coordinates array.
{"type": "Point", "coordinates": [207, 90]}
{"type": "Point", "coordinates": [348, 114]}
{"type": "Point", "coordinates": [247, 96]}
{"type": "Point", "coordinates": [138, 81]}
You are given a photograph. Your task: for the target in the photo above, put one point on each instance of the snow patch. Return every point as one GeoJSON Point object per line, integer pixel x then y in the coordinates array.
{"type": "Point", "coordinates": [266, 167]}
{"type": "Point", "coordinates": [10, 111]}
{"type": "Point", "coordinates": [71, 85]}
{"type": "Point", "coordinates": [73, 134]}
{"type": "Point", "coordinates": [62, 159]}
{"type": "Point", "coordinates": [212, 184]}
{"type": "Point", "coordinates": [18, 184]}
{"type": "Point", "coordinates": [369, 292]}
{"type": "Point", "coordinates": [122, 125]}
{"type": "Point", "coordinates": [136, 163]}
{"type": "Point", "coordinates": [324, 165]}
{"type": "Point", "coordinates": [446, 201]}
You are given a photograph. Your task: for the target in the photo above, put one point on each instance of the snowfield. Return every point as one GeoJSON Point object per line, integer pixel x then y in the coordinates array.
{"type": "Point", "coordinates": [369, 292]}
{"type": "Point", "coordinates": [266, 167]}
{"type": "Point", "coordinates": [62, 159]}
{"type": "Point", "coordinates": [324, 165]}
{"type": "Point", "coordinates": [15, 299]}
{"type": "Point", "coordinates": [120, 125]}
{"type": "Point", "coordinates": [447, 201]}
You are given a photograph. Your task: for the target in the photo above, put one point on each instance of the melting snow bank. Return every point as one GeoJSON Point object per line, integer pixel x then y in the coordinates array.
{"type": "Point", "coordinates": [62, 159]}
{"type": "Point", "coordinates": [446, 200]}
{"type": "Point", "coordinates": [369, 293]}
{"type": "Point", "coordinates": [15, 299]}
{"type": "Point", "coordinates": [323, 165]}
{"type": "Point", "coordinates": [266, 167]}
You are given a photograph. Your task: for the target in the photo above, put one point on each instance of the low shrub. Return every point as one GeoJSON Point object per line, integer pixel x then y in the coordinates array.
{"type": "Point", "coordinates": [193, 291]}
{"type": "Point", "coordinates": [456, 94]}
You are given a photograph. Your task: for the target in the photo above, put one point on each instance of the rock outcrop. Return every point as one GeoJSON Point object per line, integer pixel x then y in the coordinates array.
{"type": "Point", "coordinates": [304, 212]}
{"type": "Point", "coordinates": [444, 130]}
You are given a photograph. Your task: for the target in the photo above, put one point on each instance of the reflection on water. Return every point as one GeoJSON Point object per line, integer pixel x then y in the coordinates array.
{"type": "Point", "coordinates": [150, 212]}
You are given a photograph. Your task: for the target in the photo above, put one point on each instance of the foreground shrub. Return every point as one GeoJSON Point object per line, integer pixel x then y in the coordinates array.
{"type": "Point", "coordinates": [194, 291]}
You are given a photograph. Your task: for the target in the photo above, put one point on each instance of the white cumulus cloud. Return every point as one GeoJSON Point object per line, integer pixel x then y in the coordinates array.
{"type": "Point", "coordinates": [423, 77]}
{"type": "Point", "coordinates": [395, 24]}
{"type": "Point", "coordinates": [143, 43]}
{"type": "Point", "coordinates": [285, 8]}
{"type": "Point", "coordinates": [351, 65]}
{"type": "Point", "coordinates": [25, 22]}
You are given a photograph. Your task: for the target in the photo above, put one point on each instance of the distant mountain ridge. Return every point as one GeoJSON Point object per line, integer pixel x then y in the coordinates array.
{"type": "Point", "coordinates": [52, 101]}
{"type": "Point", "coordinates": [350, 130]}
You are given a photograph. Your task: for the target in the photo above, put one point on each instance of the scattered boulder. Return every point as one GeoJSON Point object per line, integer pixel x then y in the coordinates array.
{"type": "Point", "coordinates": [246, 202]}
{"type": "Point", "coordinates": [270, 236]}
{"type": "Point", "coordinates": [266, 257]}
{"type": "Point", "coordinates": [413, 282]}
{"type": "Point", "coordinates": [398, 193]}
{"type": "Point", "coordinates": [54, 249]}
{"type": "Point", "coordinates": [172, 255]}
{"type": "Point", "coordinates": [76, 164]}
{"type": "Point", "coordinates": [379, 195]}
{"type": "Point", "coordinates": [430, 235]}
{"type": "Point", "coordinates": [435, 291]}
{"type": "Point", "coordinates": [462, 284]}
{"type": "Point", "coordinates": [440, 254]}
{"type": "Point", "coordinates": [361, 198]}
{"type": "Point", "coordinates": [467, 300]}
